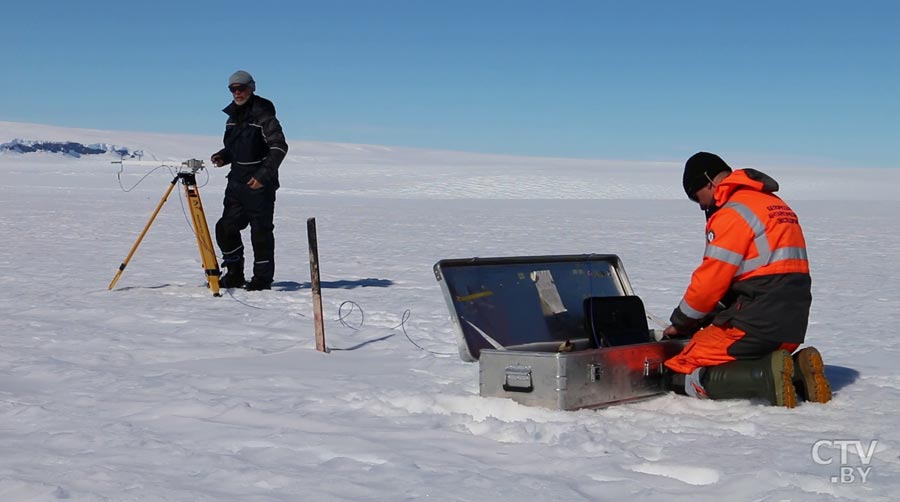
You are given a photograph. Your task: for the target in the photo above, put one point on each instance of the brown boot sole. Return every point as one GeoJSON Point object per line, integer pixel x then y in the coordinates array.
{"type": "Point", "coordinates": [811, 370]}
{"type": "Point", "coordinates": [783, 371]}
{"type": "Point", "coordinates": [785, 394]}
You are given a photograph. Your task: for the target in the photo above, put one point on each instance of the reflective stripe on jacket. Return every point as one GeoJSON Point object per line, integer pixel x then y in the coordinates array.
{"type": "Point", "coordinates": [755, 272]}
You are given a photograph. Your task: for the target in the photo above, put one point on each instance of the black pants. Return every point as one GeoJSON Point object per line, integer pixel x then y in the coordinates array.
{"type": "Point", "coordinates": [244, 206]}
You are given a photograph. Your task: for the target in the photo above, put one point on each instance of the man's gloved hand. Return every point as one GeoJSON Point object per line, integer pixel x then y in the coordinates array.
{"type": "Point", "coordinates": [217, 160]}
{"type": "Point", "coordinates": [671, 332]}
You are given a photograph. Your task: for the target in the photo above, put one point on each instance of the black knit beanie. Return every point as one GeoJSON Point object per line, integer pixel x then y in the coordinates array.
{"type": "Point", "coordinates": [700, 169]}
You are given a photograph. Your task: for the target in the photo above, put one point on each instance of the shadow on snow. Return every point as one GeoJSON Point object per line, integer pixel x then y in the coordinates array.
{"type": "Point", "coordinates": [840, 377]}
{"type": "Point", "coordinates": [342, 284]}
{"type": "Point", "coordinates": [363, 344]}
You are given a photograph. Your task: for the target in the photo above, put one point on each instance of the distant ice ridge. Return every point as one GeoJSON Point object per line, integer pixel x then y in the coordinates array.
{"type": "Point", "coordinates": [344, 169]}
{"type": "Point", "coordinates": [69, 148]}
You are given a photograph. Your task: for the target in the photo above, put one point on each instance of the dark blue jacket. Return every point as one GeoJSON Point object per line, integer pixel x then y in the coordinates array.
{"type": "Point", "coordinates": [254, 142]}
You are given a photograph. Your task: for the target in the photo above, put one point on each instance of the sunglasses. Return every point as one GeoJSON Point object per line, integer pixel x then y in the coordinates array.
{"type": "Point", "coordinates": [237, 88]}
{"type": "Point", "coordinates": [693, 194]}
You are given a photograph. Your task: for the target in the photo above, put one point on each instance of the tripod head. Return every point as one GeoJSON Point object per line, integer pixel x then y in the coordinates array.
{"type": "Point", "coordinates": [193, 164]}
{"type": "Point", "coordinates": [189, 166]}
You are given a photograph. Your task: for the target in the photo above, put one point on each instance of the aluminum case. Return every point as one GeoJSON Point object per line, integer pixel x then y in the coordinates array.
{"type": "Point", "coordinates": [523, 319]}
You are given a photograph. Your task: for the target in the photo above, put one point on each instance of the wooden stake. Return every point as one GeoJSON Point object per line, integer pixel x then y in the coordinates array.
{"type": "Point", "coordinates": [316, 284]}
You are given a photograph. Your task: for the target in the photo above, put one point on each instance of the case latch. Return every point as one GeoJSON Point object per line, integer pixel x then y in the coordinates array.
{"type": "Point", "coordinates": [595, 372]}
{"type": "Point", "coordinates": [518, 379]}
{"type": "Point", "coordinates": [653, 367]}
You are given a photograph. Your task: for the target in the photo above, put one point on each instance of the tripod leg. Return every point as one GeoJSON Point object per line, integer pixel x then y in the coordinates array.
{"type": "Point", "coordinates": [143, 232]}
{"type": "Point", "coordinates": [204, 240]}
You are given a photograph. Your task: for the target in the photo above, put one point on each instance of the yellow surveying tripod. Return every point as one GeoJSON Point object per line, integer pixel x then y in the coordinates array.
{"type": "Point", "coordinates": [188, 177]}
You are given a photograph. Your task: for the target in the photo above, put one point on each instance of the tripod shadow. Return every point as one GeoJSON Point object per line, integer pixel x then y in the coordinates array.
{"type": "Point", "coordinates": [363, 344]}
{"type": "Point", "coordinates": [342, 284]}
{"type": "Point", "coordinates": [840, 377]}
{"type": "Point", "coordinates": [129, 288]}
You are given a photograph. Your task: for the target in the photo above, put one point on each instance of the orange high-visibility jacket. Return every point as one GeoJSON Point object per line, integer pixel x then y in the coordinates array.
{"type": "Point", "coordinates": [755, 273]}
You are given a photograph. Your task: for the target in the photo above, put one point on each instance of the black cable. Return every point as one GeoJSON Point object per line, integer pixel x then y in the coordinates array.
{"type": "Point", "coordinates": [244, 303]}
{"type": "Point", "coordinates": [342, 317]}
{"type": "Point", "coordinates": [231, 294]}
{"type": "Point", "coordinates": [122, 169]}
{"type": "Point", "coordinates": [402, 326]}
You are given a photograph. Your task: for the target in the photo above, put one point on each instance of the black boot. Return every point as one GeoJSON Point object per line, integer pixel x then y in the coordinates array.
{"type": "Point", "coordinates": [234, 275]}
{"type": "Point", "coordinates": [263, 271]}
{"type": "Point", "coordinates": [259, 284]}
{"type": "Point", "coordinates": [769, 378]}
{"type": "Point", "coordinates": [809, 376]}
{"type": "Point", "coordinates": [232, 280]}
{"type": "Point", "coordinates": [674, 382]}
{"type": "Point", "coordinates": [686, 385]}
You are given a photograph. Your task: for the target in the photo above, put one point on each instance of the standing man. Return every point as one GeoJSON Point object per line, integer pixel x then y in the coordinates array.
{"type": "Point", "coordinates": [255, 147]}
{"type": "Point", "coordinates": [747, 305]}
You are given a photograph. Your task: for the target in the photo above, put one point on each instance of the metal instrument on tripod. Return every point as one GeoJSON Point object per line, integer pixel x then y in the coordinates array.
{"type": "Point", "coordinates": [187, 175]}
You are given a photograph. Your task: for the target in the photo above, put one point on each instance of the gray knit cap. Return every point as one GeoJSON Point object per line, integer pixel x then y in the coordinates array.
{"type": "Point", "coordinates": [243, 78]}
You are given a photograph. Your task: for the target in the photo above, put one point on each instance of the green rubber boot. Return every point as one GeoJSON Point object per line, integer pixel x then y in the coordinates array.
{"type": "Point", "coordinates": [769, 377]}
{"type": "Point", "coordinates": [809, 376]}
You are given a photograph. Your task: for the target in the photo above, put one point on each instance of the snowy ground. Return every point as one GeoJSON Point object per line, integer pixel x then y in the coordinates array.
{"type": "Point", "coordinates": [157, 391]}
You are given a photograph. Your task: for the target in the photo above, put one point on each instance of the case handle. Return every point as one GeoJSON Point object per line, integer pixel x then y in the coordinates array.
{"type": "Point", "coordinates": [518, 379]}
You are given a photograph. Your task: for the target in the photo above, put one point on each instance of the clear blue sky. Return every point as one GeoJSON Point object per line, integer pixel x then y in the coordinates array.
{"type": "Point", "coordinates": [815, 81]}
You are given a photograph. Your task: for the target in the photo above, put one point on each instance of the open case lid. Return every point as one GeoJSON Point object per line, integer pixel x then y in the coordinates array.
{"type": "Point", "coordinates": [503, 302]}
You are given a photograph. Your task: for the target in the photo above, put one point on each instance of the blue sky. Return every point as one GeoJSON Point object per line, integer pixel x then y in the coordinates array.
{"type": "Point", "coordinates": [811, 82]}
